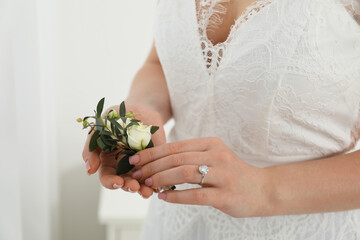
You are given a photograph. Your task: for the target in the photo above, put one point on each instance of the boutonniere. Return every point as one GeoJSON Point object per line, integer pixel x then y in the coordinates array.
{"type": "Point", "coordinates": [118, 131]}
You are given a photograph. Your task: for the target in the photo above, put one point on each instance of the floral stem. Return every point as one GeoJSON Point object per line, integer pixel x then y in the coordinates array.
{"type": "Point", "coordinates": [102, 122]}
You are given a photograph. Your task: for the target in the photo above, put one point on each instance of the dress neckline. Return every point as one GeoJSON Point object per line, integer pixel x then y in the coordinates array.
{"type": "Point", "coordinates": [212, 53]}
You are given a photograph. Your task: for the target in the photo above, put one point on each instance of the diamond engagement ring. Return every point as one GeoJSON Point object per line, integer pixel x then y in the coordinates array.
{"type": "Point", "coordinates": [203, 169]}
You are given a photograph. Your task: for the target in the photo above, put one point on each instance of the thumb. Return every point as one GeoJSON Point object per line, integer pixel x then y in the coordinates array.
{"type": "Point", "coordinates": [159, 137]}
{"type": "Point", "coordinates": [92, 159]}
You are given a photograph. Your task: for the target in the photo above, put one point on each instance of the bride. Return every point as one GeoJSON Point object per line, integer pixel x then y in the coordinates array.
{"type": "Point", "coordinates": [266, 99]}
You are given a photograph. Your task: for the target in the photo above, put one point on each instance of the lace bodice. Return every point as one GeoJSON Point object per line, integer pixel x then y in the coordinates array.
{"type": "Point", "coordinates": [283, 87]}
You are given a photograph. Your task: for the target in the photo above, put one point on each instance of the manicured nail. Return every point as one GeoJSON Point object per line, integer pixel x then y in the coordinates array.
{"type": "Point", "coordinates": [87, 165]}
{"type": "Point", "coordinates": [134, 159]}
{"type": "Point", "coordinates": [115, 186]}
{"type": "Point", "coordinates": [142, 195]}
{"type": "Point", "coordinates": [137, 174]}
{"type": "Point", "coordinates": [162, 196]}
{"type": "Point", "coordinates": [148, 182]}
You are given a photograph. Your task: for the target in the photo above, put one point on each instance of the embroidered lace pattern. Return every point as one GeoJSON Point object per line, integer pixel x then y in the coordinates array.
{"type": "Point", "coordinates": [284, 88]}
{"type": "Point", "coordinates": [210, 16]}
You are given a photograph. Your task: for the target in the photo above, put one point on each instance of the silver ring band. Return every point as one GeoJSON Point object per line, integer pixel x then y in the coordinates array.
{"type": "Point", "coordinates": [203, 169]}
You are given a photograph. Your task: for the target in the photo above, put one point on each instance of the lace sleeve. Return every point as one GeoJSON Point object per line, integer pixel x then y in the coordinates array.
{"type": "Point", "coordinates": [353, 7]}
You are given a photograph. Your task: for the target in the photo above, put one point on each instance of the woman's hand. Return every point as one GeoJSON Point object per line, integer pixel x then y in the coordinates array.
{"type": "Point", "coordinates": [231, 185]}
{"type": "Point", "coordinates": [106, 161]}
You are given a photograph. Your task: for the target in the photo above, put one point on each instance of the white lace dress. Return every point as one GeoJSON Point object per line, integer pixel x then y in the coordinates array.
{"type": "Point", "coordinates": [284, 87]}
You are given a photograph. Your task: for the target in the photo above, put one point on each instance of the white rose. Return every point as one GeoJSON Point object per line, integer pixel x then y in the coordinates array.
{"type": "Point", "coordinates": [139, 136]}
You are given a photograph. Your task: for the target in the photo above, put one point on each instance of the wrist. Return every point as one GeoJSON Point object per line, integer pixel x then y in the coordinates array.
{"type": "Point", "coordinates": [269, 199]}
{"type": "Point", "coordinates": [154, 105]}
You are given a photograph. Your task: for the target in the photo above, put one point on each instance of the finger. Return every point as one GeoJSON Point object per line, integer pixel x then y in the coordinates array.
{"type": "Point", "coordinates": [92, 159]}
{"type": "Point", "coordinates": [131, 185]}
{"type": "Point", "coordinates": [145, 191]}
{"type": "Point", "coordinates": [197, 196]}
{"type": "Point", "coordinates": [159, 137]}
{"type": "Point", "coordinates": [109, 179]}
{"type": "Point", "coordinates": [192, 145]}
{"type": "Point", "coordinates": [183, 174]}
{"type": "Point", "coordinates": [108, 172]}
{"type": "Point", "coordinates": [171, 161]}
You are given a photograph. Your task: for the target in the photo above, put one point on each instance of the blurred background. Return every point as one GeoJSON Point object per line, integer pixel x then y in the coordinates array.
{"type": "Point", "coordinates": [57, 59]}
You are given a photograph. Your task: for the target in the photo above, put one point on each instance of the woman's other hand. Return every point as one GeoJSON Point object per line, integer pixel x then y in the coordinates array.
{"type": "Point", "coordinates": [231, 185]}
{"type": "Point", "coordinates": [106, 162]}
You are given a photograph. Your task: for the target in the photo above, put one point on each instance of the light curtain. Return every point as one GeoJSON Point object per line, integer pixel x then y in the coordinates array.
{"type": "Point", "coordinates": [27, 182]}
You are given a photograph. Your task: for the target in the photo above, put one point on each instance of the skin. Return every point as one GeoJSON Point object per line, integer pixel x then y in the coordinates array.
{"type": "Point", "coordinates": [231, 185]}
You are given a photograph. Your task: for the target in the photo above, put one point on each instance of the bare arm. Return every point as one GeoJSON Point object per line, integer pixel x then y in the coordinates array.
{"type": "Point", "coordinates": [149, 87]}
{"type": "Point", "coordinates": [149, 100]}
{"type": "Point", "coordinates": [323, 185]}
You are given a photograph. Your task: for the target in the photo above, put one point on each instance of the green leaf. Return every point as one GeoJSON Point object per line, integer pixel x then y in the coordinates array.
{"type": "Point", "coordinates": [116, 123]}
{"type": "Point", "coordinates": [91, 130]}
{"type": "Point", "coordinates": [129, 125]}
{"type": "Point", "coordinates": [118, 133]}
{"type": "Point", "coordinates": [123, 119]}
{"type": "Point", "coordinates": [112, 127]}
{"type": "Point", "coordinates": [93, 141]}
{"type": "Point", "coordinates": [105, 132]}
{"type": "Point", "coordinates": [108, 140]}
{"type": "Point", "coordinates": [105, 123]}
{"type": "Point", "coordinates": [150, 145]}
{"type": "Point", "coordinates": [107, 150]}
{"type": "Point", "coordinates": [101, 144]}
{"type": "Point", "coordinates": [100, 107]}
{"type": "Point", "coordinates": [154, 129]}
{"type": "Point", "coordinates": [124, 166]}
{"type": "Point", "coordinates": [87, 117]}
{"type": "Point", "coordinates": [99, 125]}
{"type": "Point", "coordinates": [122, 109]}
{"type": "Point", "coordinates": [127, 152]}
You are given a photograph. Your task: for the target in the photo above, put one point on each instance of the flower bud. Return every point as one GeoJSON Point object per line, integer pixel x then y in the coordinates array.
{"type": "Point", "coordinates": [129, 115]}
{"type": "Point", "coordinates": [85, 123]}
{"type": "Point", "coordinates": [139, 136]}
{"type": "Point", "coordinates": [113, 114]}
{"type": "Point", "coordinates": [79, 120]}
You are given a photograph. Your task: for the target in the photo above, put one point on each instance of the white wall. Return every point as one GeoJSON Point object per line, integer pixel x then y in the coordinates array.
{"type": "Point", "coordinates": [100, 46]}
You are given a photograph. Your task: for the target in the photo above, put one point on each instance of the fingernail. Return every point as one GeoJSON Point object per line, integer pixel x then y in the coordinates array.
{"type": "Point", "coordinates": [115, 186]}
{"type": "Point", "coordinates": [132, 191]}
{"type": "Point", "coordinates": [137, 174]}
{"type": "Point", "coordinates": [148, 182]}
{"type": "Point", "coordinates": [134, 159]}
{"type": "Point", "coordinates": [162, 196]}
{"type": "Point", "coordinates": [142, 195]}
{"type": "Point", "coordinates": [87, 165]}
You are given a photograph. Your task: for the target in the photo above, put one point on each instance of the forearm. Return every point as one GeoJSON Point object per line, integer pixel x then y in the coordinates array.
{"type": "Point", "coordinates": [323, 185]}
{"type": "Point", "coordinates": [149, 87]}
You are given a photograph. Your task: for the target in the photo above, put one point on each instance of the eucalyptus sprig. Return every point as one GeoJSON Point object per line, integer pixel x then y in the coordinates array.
{"type": "Point", "coordinates": [118, 130]}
